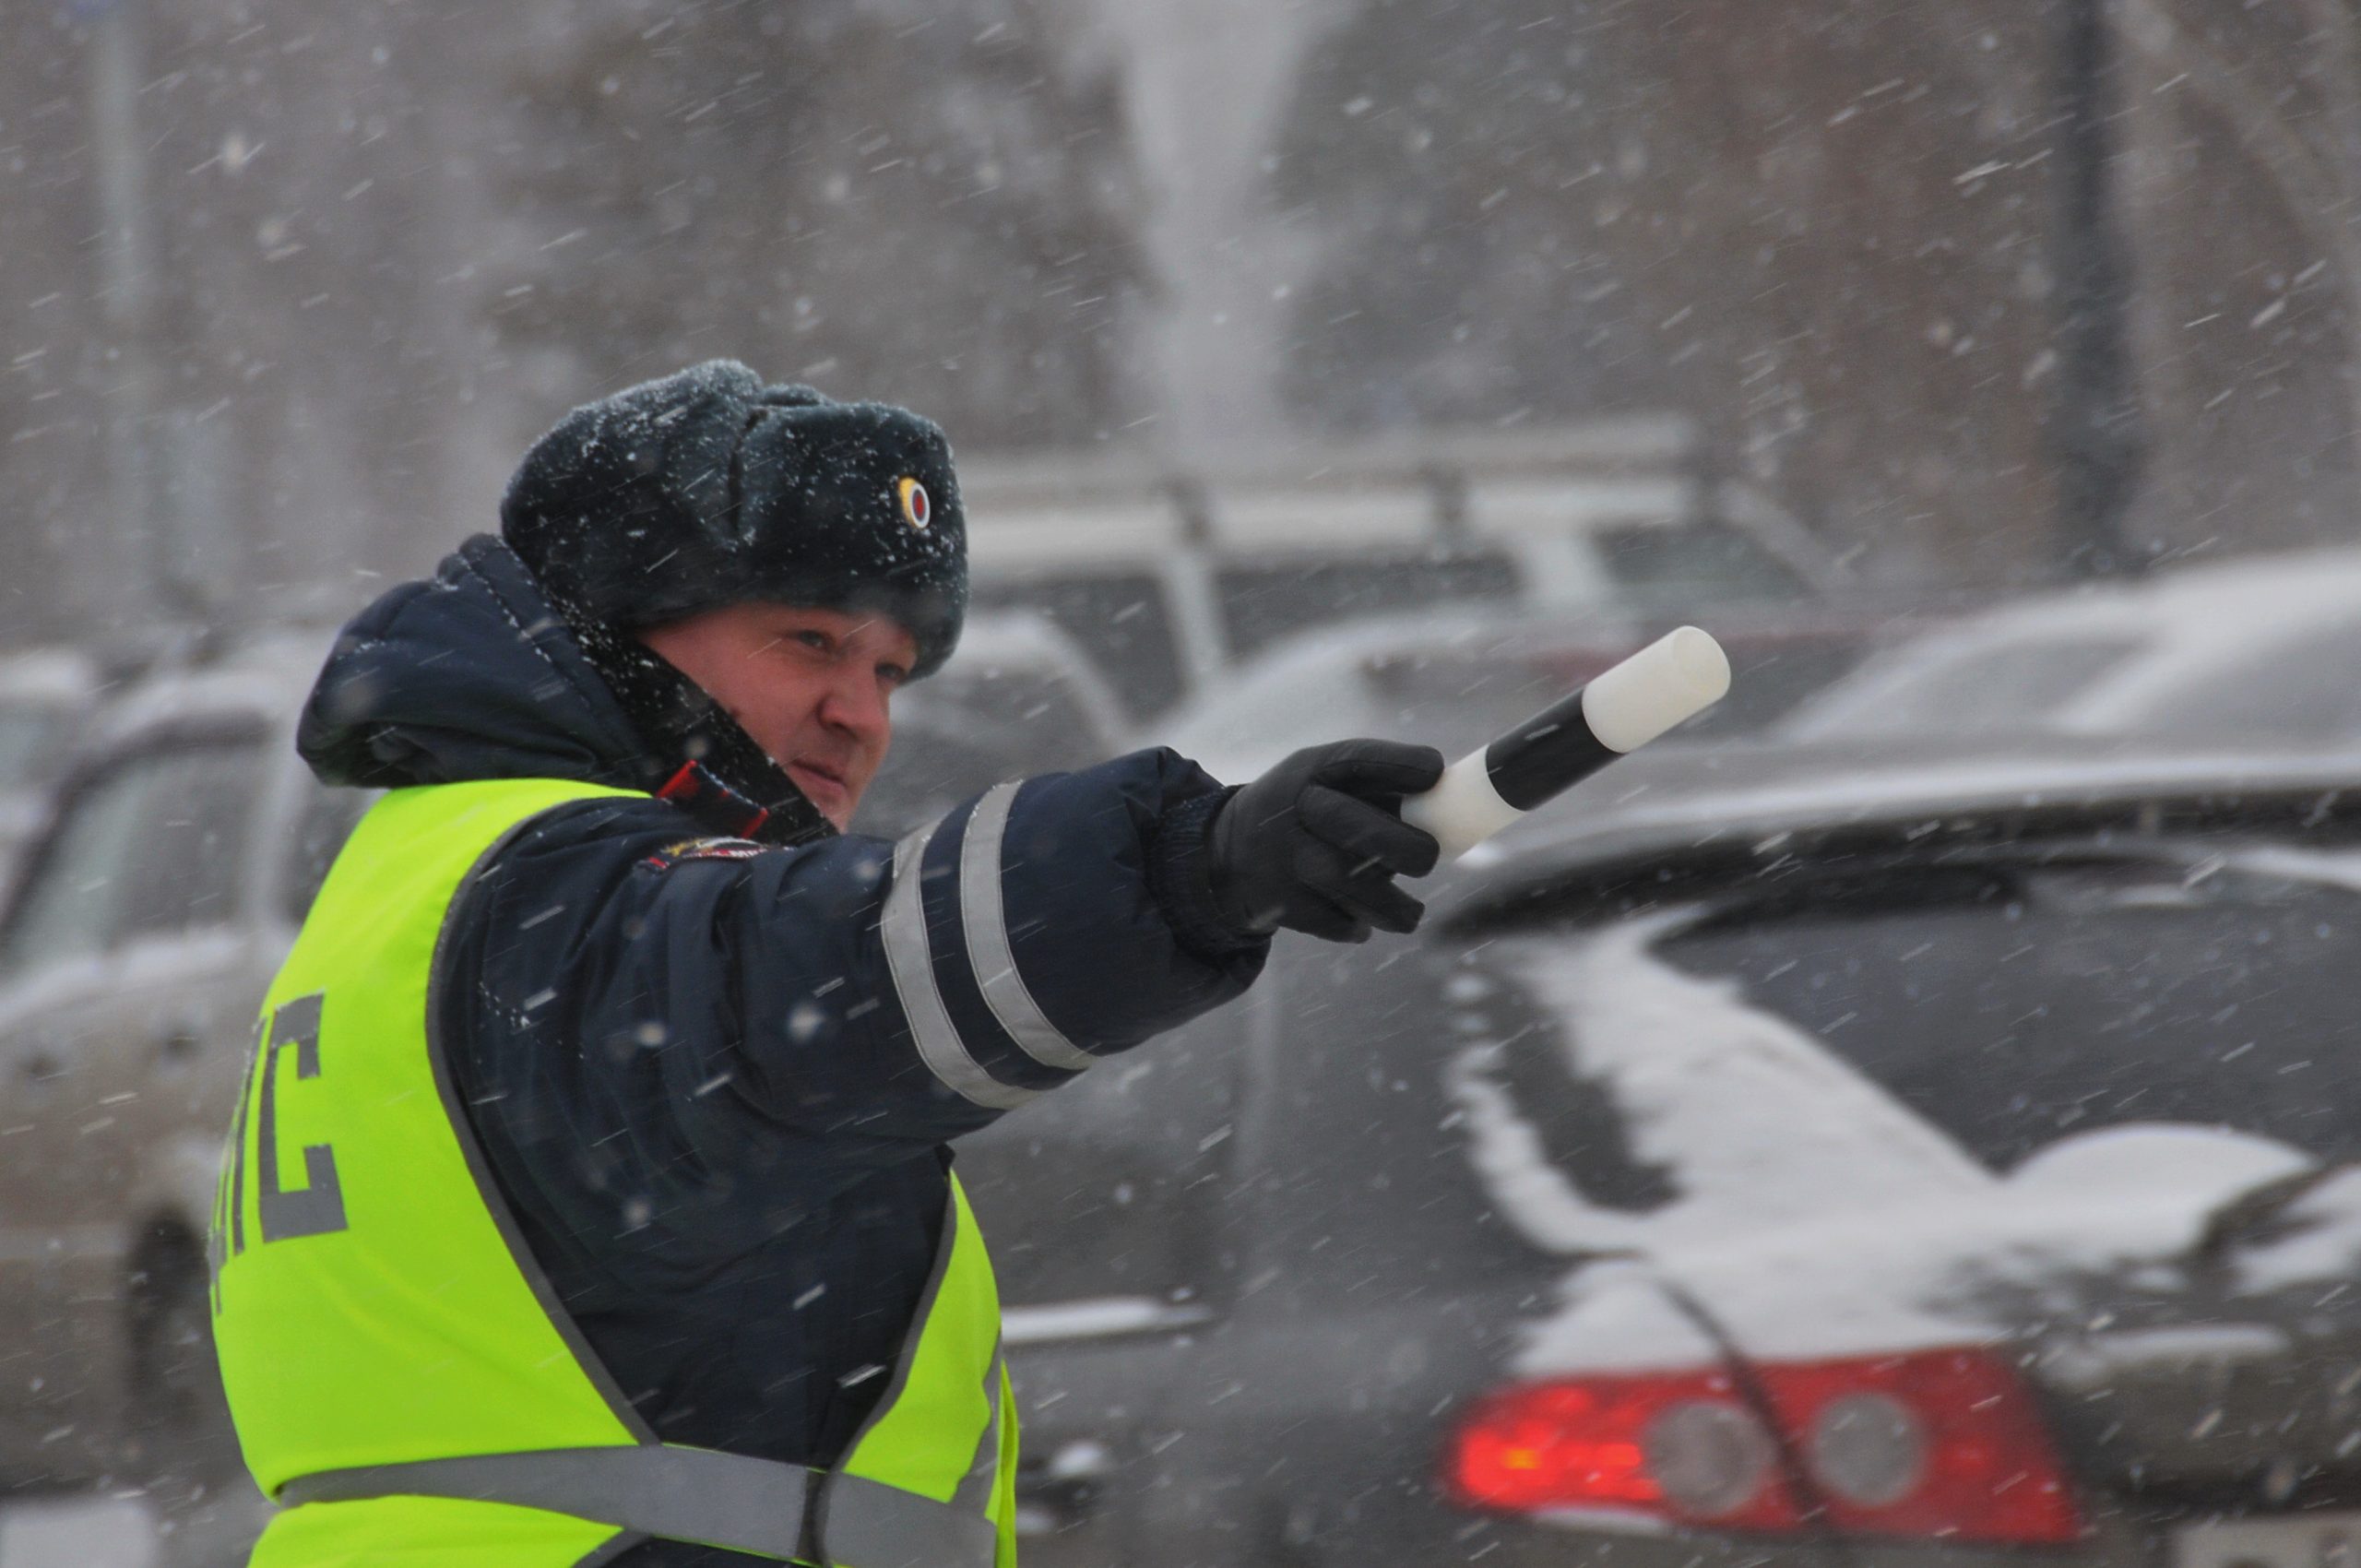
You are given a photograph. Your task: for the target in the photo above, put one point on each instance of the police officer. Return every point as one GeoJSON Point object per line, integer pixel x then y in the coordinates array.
{"type": "Point", "coordinates": [589, 1200]}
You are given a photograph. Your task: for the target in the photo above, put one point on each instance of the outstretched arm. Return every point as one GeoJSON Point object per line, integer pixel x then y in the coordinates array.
{"type": "Point", "coordinates": [701, 1008]}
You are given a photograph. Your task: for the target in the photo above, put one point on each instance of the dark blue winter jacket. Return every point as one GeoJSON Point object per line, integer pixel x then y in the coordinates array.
{"type": "Point", "coordinates": [686, 1055]}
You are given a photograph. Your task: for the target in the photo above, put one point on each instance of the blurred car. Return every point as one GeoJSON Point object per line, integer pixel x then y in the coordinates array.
{"type": "Point", "coordinates": [1455, 677]}
{"type": "Point", "coordinates": [1918, 1161]}
{"type": "Point", "coordinates": [1016, 699]}
{"type": "Point", "coordinates": [2262, 648]}
{"type": "Point", "coordinates": [178, 859]}
{"type": "Point", "coordinates": [1172, 577]}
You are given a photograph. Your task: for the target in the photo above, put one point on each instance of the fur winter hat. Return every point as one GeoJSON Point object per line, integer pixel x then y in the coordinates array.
{"type": "Point", "coordinates": [707, 488]}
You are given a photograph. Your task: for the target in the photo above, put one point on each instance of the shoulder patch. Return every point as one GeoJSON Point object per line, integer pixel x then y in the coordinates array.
{"type": "Point", "coordinates": [705, 850]}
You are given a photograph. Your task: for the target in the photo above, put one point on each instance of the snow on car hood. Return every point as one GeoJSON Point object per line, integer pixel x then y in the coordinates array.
{"type": "Point", "coordinates": [1815, 1215]}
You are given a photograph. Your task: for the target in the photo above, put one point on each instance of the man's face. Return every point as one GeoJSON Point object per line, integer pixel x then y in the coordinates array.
{"type": "Point", "coordinates": [811, 686]}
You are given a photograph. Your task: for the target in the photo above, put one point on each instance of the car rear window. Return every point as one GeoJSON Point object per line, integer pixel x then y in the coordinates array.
{"type": "Point", "coordinates": [2013, 1006]}
{"type": "Point", "coordinates": [1669, 563]}
{"type": "Point", "coordinates": [1262, 601]}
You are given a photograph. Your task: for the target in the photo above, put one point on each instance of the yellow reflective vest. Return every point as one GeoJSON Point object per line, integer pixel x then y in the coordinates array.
{"type": "Point", "coordinates": [403, 1378]}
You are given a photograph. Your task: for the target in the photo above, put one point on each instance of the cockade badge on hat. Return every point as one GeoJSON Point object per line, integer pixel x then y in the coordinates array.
{"type": "Point", "coordinates": [916, 510]}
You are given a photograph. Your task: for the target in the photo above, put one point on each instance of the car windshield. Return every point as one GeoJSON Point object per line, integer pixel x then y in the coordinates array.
{"type": "Point", "coordinates": [1457, 696]}
{"type": "Point", "coordinates": [1008, 694]}
{"type": "Point", "coordinates": [970, 728]}
{"type": "Point", "coordinates": [2307, 671]}
{"type": "Point", "coordinates": [1121, 619]}
{"type": "Point", "coordinates": [1452, 698]}
{"type": "Point", "coordinates": [31, 737]}
{"type": "Point", "coordinates": [1984, 687]}
{"type": "Point", "coordinates": [151, 847]}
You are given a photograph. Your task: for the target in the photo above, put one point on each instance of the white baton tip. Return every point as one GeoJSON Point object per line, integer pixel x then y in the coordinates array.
{"type": "Point", "coordinates": [1463, 809]}
{"type": "Point", "coordinates": [1675, 678]}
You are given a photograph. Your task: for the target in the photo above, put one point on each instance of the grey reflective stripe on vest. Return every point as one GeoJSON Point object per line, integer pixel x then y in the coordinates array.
{"type": "Point", "coordinates": [866, 1523]}
{"type": "Point", "coordinates": [982, 911]}
{"type": "Point", "coordinates": [688, 1494]}
{"type": "Point", "coordinates": [908, 954]}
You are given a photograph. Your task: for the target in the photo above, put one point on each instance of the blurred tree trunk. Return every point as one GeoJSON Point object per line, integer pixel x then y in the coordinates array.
{"type": "Point", "coordinates": [139, 531]}
{"type": "Point", "coordinates": [2341, 82]}
{"type": "Point", "coordinates": [2318, 192]}
{"type": "Point", "coordinates": [2340, 91]}
{"type": "Point", "coordinates": [2094, 422]}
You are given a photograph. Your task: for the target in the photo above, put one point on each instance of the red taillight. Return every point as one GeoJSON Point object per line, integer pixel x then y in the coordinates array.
{"type": "Point", "coordinates": [1675, 1443]}
{"type": "Point", "coordinates": [1941, 1443]}
{"type": "Point", "coordinates": [1988, 1471]}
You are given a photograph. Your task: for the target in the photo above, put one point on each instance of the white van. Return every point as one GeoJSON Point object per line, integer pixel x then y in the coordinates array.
{"type": "Point", "coordinates": [1167, 572]}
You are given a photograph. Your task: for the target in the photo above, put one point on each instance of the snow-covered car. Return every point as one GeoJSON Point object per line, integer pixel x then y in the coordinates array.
{"type": "Point", "coordinates": [1016, 699]}
{"type": "Point", "coordinates": [1761, 1155]}
{"type": "Point", "coordinates": [177, 860]}
{"type": "Point", "coordinates": [2264, 649]}
{"type": "Point", "coordinates": [1456, 677]}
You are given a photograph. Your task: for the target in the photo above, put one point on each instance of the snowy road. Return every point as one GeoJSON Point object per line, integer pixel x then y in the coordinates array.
{"type": "Point", "coordinates": [89, 1533]}
{"type": "Point", "coordinates": [101, 1532]}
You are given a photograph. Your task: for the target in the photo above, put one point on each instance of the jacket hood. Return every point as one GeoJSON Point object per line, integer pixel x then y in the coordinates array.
{"type": "Point", "coordinates": [468, 675]}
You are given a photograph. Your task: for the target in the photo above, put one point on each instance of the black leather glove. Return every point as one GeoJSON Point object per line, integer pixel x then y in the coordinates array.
{"type": "Point", "coordinates": [1314, 844]}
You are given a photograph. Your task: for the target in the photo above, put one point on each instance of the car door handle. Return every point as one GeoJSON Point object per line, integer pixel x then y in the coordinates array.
{"type": "Point", "coordinates": [38, 1066]}
{"type": "Point", "coordinates": [178, 1046]}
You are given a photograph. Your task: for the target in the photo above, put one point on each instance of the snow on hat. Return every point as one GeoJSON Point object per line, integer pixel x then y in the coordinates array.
{"type": "Point", "coordinates": [706, 488]}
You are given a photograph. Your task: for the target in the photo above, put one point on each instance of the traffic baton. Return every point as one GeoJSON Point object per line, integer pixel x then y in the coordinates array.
{"type": "Point", "coordinates": [1673, 679]}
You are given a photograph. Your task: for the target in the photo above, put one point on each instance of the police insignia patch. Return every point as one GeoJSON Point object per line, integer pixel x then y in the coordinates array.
{"type": "Point", "coordinates": [705, 850]}
{"type": "Point", "coordinates": [918, 510]}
